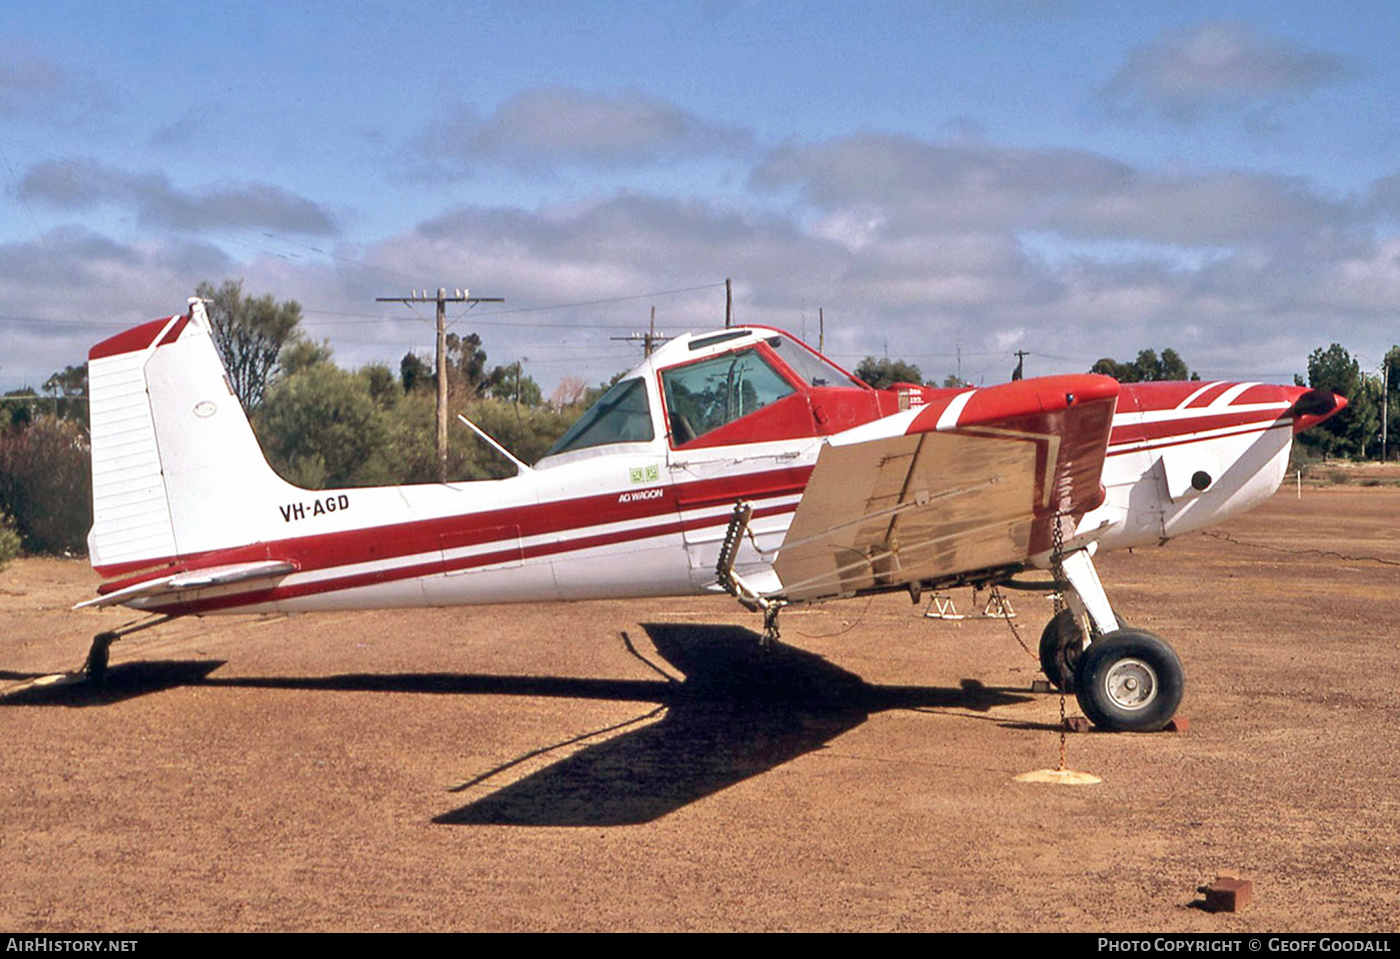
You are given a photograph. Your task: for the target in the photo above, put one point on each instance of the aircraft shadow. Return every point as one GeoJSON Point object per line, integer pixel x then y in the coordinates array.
{"type": "Point", "coordinates": [739, 712]}
{"type": "Point", "coordinates": [122, 682]}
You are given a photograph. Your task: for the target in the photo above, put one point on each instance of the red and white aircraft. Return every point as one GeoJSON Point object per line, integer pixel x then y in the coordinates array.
{"type": "Point", "coordinates": [738, 461]}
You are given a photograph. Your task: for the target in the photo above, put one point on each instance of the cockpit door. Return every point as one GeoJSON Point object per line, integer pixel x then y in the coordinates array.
{"type": "Point", "coordinates": [737, 429]}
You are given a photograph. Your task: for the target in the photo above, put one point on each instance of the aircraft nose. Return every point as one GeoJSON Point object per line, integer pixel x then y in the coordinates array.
{"type": "Point", "coordinates": [1312, 406]}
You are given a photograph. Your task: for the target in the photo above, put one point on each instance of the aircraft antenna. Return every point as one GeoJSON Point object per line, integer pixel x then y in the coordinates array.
{"type": "Point", "coordinates": [519, 464]}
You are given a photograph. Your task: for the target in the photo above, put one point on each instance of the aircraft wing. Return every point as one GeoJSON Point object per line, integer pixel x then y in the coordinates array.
{"type": "Point", "coordinates": [972, 481]}
{"type": "Point", "coordinates": [225, 575]}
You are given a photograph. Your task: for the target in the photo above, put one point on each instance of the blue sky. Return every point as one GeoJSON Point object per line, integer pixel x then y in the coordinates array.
{"type": "Point", "coordinates": [950, 182]}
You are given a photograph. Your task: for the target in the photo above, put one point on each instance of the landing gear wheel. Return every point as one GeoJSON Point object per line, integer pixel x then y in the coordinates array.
{"type": "Point", "coordinates": [1129, 681]}
{"type": "Point", "coordinates": [1061, 645]}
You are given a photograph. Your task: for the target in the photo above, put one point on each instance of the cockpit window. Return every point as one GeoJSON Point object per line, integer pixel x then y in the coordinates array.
{"type": "Point", "coordinates": [704, 396]}
{"type": "Point", "coordinates": [814, 370]}
{"type": "Point", "coordinates": [623, 415]}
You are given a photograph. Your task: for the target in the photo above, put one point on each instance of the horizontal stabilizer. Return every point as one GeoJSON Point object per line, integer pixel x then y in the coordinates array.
{"type": "Point", "coordinates": [195, 579]}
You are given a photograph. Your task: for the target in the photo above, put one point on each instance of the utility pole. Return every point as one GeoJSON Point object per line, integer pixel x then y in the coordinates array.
{"type": "Point", "coordinates": [1020, 370]}
{"type": "Point", "coordinates": [821, 330]}
{"type": "Point", "coordinates": [728, 304]}
{"type": "Point", "coordinates": [442, 299]}
{"type": "Point", "coordinates": [1385, 402]}
{"type": "Point", "coordinates": [649, 340]}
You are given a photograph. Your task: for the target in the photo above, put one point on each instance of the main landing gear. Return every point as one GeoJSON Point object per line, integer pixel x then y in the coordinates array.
{"type": "Point", "coordinates": [1125, 679]}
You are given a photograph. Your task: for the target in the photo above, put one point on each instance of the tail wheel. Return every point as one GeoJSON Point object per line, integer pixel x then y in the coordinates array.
{"type": "Point", "coordinates": [1061, 645]}
{"type": "Point", "coordinates": [1129, 681]}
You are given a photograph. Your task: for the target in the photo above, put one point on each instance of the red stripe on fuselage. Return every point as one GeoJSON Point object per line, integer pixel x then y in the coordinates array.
{"type": "Point", "coordinates": [1147, 434]}
{"type": "Point", "coordinates": [1208, 395]}
{"type": "Point", "coordinates": [439, 566]}
{"type": "Point", "coordinates": [391, 541]}
{"type": "Point", "coordinates": [1187, 439]}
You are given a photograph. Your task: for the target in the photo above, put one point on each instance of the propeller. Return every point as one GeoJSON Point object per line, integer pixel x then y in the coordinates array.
{"type": "Point", "coordinates": [1316, 402]}
{"type": "Point", "coordinates": [1313, 407]}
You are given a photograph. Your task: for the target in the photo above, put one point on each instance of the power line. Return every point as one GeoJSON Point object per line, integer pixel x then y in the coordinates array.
{"type": "Point", "coordinates": [373, 317]}
{"type": "Point", "coordinates": [649, 339]}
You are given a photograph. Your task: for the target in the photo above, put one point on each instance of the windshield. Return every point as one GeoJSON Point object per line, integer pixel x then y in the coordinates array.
{"type": "Point", "coordinates": [809, 365]}
{"type": "Point", "coordinates": [623, 415]}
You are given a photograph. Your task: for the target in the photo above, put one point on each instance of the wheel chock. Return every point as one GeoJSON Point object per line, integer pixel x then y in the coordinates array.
{"type": "Point", "coordinates": [1227, 894]}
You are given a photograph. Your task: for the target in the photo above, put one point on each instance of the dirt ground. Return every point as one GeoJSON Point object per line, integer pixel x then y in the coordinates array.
{"type": "Point", "coordinates": [641, 766]}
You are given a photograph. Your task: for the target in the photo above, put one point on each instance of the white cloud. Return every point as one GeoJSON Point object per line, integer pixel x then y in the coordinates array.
{"type": "Point", "coordinates": [1187, 73]}
{"type": "Point", "coordinates": [67, 289]}
{"type": "Point", "coordinates": [918, 187]}
{"type": "Point", "coordinates": [85, 183]}
{"type": "Point", "coordinates": [547, 127]}
{"type": "Point", "coordinates": [34, 87]}
{"type": "Point", "coordinates": [28, 84]}
{"type": "Point", "coordinates": [901, 241]}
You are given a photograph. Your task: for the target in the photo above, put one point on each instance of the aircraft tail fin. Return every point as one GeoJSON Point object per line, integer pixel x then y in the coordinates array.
{"type": "Point", "coordinates": [173, 454]}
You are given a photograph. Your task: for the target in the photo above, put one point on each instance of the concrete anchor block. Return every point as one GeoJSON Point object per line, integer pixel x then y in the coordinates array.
{"type": "Point", "coordinates": [1228, 893]}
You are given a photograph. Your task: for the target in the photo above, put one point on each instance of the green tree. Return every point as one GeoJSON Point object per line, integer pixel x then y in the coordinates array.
{"type": "Point", "coordinates": [415, 373]}
{"type": "Point", "coordinates": [1147, 368]}
{"type": "Point", "coordinates": [524, 430]}
{"type": "Point", "coordinates": [323, 427]}
{"type": "Point", "coordinates": [1173, 367]}
{"type": "Point", "coordinates": [383, 387]}
{"type": "Point", "coordinates": [1352, 431]}
{"type": "Point", "coordinates": [68, 388]}
{"type": "Point", "coordinates": [466, 364]}
{"type": "Point", "coordinates": [250, 333]}
{"type": "Point", "coordinates": [301, 354]}
{"type": "Point", "coordinates": [19, 408]}
{"type": "Point", "coordinates": [1122, 372]}
{"type": "Point", "coordinates": [509, 383]}
{"type": "Point", "coordinates": [9, 540]}
{"type": "Point", "coordinates": [46, 483]}
{"type": "Point", "coordinates": [1391, 397]}
{"type": "Point", "coordinates": [884, 373]}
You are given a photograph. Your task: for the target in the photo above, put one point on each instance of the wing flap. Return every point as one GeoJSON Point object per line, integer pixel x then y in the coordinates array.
{"type": "Point", "coordinates": [957, 492]}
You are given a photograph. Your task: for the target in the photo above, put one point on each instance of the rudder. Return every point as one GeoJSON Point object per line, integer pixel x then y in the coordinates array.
{"type": "Point", "coordinates": [173, 455]}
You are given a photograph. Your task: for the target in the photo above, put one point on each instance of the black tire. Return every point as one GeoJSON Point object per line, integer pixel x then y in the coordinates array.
{"type": "Point", "coordinates": [1129, 681]}
{"type": "Point", "coordinates": [1061, 645]}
